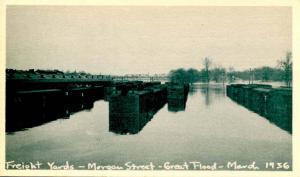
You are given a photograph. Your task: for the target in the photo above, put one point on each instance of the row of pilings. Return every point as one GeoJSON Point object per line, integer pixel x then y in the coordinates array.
{"type": "Point", "coordinates": [275, 104]}
{"type": "Point", "coordinates": [131, 103]}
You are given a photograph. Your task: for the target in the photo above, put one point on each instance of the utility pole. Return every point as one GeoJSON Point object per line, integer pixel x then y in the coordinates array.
{"type": "Point", "coordinates": [250, 76]}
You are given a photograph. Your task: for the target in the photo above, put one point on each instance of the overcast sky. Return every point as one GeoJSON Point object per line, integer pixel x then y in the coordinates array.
{"type": "Point", "coordinates": [123, 40]}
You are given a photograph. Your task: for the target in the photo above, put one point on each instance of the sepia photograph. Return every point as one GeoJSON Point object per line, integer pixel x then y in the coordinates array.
{"type": "Point", "coordinates": [124, 88]}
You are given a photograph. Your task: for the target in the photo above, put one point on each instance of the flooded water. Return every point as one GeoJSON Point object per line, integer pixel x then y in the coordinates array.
{"type": "Point", "coordinates": [209, 129]}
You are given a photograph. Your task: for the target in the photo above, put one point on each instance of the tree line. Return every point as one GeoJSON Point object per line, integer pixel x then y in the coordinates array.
{"type": "Point", "coordinates": [219, 74]}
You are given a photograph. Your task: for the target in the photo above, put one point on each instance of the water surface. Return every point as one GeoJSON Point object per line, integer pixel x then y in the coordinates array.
{"type": "Point", "coordinates": [211, 128]}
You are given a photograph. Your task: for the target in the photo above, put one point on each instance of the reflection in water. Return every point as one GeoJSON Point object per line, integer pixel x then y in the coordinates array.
{"type": "Point", "coordinates": [129, 113]}
{"type": "Point", "coordinates": [177, 96]}
{"type": "Point", "coordinates": [211, 92]}
{"type": "Point", "coordinates": [220, 132]}
{"type": "Point", "coordinates": [29, 109]}
{"type": "Point", "coordinates": [192, 90]}
{"type": "Point", "coordinates": [275, 104]}
{"type": "Point", "coordinates": [175, 105]}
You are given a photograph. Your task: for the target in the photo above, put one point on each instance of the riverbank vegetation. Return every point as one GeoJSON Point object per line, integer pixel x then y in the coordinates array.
{"type": "Point", "coordinates": [219, 74]}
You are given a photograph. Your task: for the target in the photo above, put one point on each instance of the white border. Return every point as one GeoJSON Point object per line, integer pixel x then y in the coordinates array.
{"type": "Point", "coordinates": [296, 72]}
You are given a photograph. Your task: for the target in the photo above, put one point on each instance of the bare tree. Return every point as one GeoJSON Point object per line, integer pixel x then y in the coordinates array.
{"type": "Point", "coordinates": [207, 64]}
{"type": "Point", "coordinates": [287, 66]}
{"type": "Point", "coordinates": [218, 74]}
